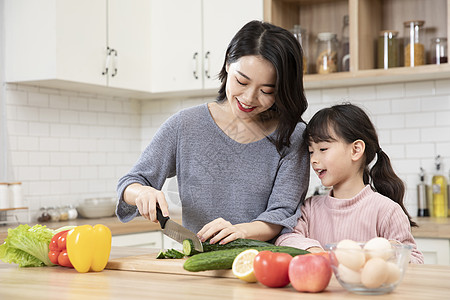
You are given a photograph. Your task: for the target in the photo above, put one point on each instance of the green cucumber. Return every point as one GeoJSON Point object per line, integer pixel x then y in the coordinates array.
{"type": "Point", "coordinates": [223, 259]}
{"type": "Point", "coordinates": [188, 245]}
{"type": "Point", "coordinates": [171, 253]}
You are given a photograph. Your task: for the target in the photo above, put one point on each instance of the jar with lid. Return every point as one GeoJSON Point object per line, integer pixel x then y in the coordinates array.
{"type": "Point", "coordinates": [439, 51]}
{"type": "Point", "coordinates": [43, 216]}
{"type": "Point", "coordinates": [72, 212]}
{"type": "Point", "coordinates": [326, 54]}
{"type": "Point", "coordinates": [302, 37]}
{"type": "Point", "coordinates": [388, 49]}
{"type": "Point", "coordinates": [345, 46]}
{"type": "Point", "coordinates": [54, 214]}
{"type": "Point", "coordinates": [414, 45]}
{"type": "Point", "coordinates": [64, 213]}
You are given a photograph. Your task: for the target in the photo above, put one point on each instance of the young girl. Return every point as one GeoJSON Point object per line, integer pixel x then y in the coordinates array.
{"type": "Point", "coordinates": [364, 201]}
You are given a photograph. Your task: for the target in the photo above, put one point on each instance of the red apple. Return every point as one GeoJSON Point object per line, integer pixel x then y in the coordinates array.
{"type": "Point", "coordinates": [310, 273]}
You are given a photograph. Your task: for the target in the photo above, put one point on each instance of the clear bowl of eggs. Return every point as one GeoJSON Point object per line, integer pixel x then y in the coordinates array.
{"type": "Point", "coordinates": [372, 268]}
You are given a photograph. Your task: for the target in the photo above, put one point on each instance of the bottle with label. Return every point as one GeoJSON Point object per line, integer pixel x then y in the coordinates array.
{"type": "Point", "coordinates": [414, 45]}
{"type": "Point", "coordinates": [422, 196]}
{"type": "Point", "coordinates": [439, 192]}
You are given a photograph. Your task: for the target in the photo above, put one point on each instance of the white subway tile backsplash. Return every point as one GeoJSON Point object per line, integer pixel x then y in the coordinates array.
{"type": "Point", "coordinates": [335, 95]}
{"type": "Point", "coordinates": [389, 91]}
{"type": "Point", "coordinates": [393, 121]}
{"type": "Point", "coordinates": [97, 105]}
{"type": "Point", "coordinates": [38, 99]}
{"type": "Point", "coordinates": [443, 149]}
{"type": "Point", "coordinates": [49, 115]}
{"type": "Point", "coordinates": [362, 93]}
{"type": "Point", "coordinates": [442, 86]}
{"type": "Point", "coordinates": [14, 97]}
{"type": "Point", "coordinates": [420, 150]}
{"type": "Point", "coordinates": [419, 88]}
{"type": "Point", "coordinates": [39, 159]}
{"type": "Point", "coordinates": [27, 113]}
{"type": "Point", "coordinates": [39, 129]}
{"type": "Point", "coordinates": [394, 151]}
{"type": "Point", "coordinates": [78, 103]}
{"type": "Point", "coordinates": [59, 102]}
{"type": "Point", "coordinates": [376, 107]}
{"type": "Point", "coordinates": [419, 120]}
{"type": "Point", "coordinates": [405, 136]}
{"type": "Point", "coordinates": [437, 134]}
{"type": "Point", "coordinates": [435, 103]}
{"type": "Point", "coordinates": [17, 128]}
{"type": "Point", "coordinates": [406, 105]}
{"type": "Point", "coordinates": [28, 143]}
{"type": "Point", "coordinates": [442, 118]}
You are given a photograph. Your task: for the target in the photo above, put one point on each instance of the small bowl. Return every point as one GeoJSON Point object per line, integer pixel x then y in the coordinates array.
{"type": "Point", "coordinates": [97, 207]}
{"type": "Point", "coordinates": [368, 279]}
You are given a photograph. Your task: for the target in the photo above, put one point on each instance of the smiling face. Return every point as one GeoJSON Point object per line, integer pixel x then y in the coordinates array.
{"type": "Point", "coordinates": [338, 164]}
{"type": "Point", "coordinates": [250, 86]}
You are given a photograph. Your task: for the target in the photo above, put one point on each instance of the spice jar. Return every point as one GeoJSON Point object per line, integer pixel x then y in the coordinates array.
{"type": "Point", "coordinates": [439, 51]}
{"type": "Point", "coordinates": [64, 213]}
{"type": "Point", "coordinates": [388, 49]}
{"type": "Point", "coordinates": [43, 215]}
{"type": "Point", "coordinates": [414, 45]}
{"type": "Point", "coordinates": [72, 213]}
{"type": "Point", "coordinates": [326, 58]}
{"type": "Point", "coordinates": [302, 37]}
{"type": "Point", "coordinates": [54, 214]}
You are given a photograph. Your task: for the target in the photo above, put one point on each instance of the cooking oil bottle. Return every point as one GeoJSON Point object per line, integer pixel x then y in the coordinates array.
{"type": "Point", "coordinates": [439, 188]}
{"type": "Point", "coordinates": [422, 196]}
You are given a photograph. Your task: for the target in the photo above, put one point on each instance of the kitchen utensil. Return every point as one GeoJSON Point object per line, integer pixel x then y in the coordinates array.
{"type": "Point", "coordinates": [177, 232]}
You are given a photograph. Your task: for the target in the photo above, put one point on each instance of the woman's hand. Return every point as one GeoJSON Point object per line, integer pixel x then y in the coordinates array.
{"type": "Point", "coordinates": [146, 198]}
{"type": "Point", "coordinates": [222, 231]}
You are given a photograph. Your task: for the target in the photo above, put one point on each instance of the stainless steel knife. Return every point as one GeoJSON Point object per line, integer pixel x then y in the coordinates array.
{"type": "Point", "coordinates": [177, 232]}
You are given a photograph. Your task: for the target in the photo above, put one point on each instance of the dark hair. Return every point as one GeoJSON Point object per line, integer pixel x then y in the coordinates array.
{"type": "Point", "coordinates": [281, 48]}
{"type": "Point", "coordinates": [351, 123]}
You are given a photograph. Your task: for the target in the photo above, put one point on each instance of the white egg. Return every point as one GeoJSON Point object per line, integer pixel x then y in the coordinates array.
{"type": "Point", "coordinates": [350, 254]}
{"type": "Point", "coordinates": [394, 273]}
{"type": "Point", "coordinates": [374, 273]}
{"type": "Point", "coordinates": [378, 247]}
{"type": "Point", "coordinates": [348, 275]}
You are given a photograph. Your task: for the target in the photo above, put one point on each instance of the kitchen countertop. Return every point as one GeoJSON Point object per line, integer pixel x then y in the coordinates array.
{"type": "Point", "coordinates": [438, 228]}
{"type": "Point", "coordinates": [136, 225]}
{"type": "Point", "coordinates": [420, 282]}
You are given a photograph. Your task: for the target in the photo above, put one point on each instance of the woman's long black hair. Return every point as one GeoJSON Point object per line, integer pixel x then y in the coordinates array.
{"type": "Point", "coordinates": [351, 123]}
{"type": "Point", "coordinates": [281, 48]}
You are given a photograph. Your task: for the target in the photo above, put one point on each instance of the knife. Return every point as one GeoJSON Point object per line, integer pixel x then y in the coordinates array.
{"type": "Point", "coordinates": [177, 232]}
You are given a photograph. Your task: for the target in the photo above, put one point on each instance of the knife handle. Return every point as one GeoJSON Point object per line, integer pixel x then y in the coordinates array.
{"type": "Point", "coordinates": [162, 220]}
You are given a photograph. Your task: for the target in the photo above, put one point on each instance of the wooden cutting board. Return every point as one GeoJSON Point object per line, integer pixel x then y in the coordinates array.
{"type": "Point", "coordinates": [149, 263]}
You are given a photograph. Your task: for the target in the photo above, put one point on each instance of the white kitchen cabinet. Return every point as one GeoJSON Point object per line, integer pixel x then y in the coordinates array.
{"type": "Point", "coordinates": [435, 251]}
{"type": "Point", "coordinates": [152, 239]}
{"type": "Point", "coordinates": [57, 43]}
{"type": "Point", "coordinates": [189, 40]}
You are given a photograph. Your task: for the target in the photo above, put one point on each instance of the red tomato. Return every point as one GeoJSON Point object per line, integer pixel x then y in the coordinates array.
{"type": "Point", "coordinates": [63, 259]}
{"type": "Point", "coordinates": [53, 256]}
{"type": "Point", "coordinates": [54, 242]}
{"type": "Point", "coordinates": [62, 240]}
{"type": "Point", "coordinates": [272, 268]}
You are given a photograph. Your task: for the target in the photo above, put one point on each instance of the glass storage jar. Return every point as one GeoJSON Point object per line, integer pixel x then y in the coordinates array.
{"type": "Point", "coordinates": [302, 37]}
{"type": "Point", "coordinates": [388, 49]}
{"type": "Point", "coordinates": [345, 46]}
{"type": "Point", "coordinates": [326, 54]}
{"type": "Point", "coordinates": [414, 45]}
{"type": "Point", "coordinates": [439, 51]}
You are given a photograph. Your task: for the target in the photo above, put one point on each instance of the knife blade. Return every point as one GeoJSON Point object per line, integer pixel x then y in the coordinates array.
{"type": "Point", "coordinates": [176, 231]}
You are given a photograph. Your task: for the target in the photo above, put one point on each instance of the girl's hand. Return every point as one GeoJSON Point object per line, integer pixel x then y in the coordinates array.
{"type": "Point", "coordinates": [221, 231]}
{"type": "Point", "coordinates": [146, 200]}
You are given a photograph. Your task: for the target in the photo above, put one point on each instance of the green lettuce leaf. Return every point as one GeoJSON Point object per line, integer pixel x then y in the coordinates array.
{"type": "Point", "coordinates": [27, 246]}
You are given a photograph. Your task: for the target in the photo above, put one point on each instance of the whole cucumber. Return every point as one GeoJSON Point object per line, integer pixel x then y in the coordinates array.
{"type": "Point", "coordinates": [223, 259]}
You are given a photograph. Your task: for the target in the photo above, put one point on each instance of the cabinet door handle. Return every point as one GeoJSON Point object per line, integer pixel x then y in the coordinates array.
{"type": "Point", "coordinates": [115, 61]}
{"type": "Point", "coordinates": [108, 58]}
{"type": "Point", "coordinates": [207, 65]}
{"type": "Point", "coordinates": [195, 65]}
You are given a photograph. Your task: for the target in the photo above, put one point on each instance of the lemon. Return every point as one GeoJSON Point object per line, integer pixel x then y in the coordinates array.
{"type": "Point", "coordinates": [243, 265]}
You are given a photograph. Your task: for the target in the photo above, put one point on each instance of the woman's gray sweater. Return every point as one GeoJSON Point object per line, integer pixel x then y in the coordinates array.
{"type": "Point", "coordinates": [219, 177]}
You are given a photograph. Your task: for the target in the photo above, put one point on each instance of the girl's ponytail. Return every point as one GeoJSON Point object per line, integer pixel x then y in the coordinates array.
{"type": "Point", "coordinates": [386, 182]}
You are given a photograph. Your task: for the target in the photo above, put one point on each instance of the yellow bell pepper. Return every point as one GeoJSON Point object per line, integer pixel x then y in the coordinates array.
{"type": "Point", "coordinates": [89, 247]}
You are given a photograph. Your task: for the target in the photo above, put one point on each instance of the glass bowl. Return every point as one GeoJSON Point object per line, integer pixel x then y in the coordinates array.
{"type": "Point", "coordinates": [369, 272]}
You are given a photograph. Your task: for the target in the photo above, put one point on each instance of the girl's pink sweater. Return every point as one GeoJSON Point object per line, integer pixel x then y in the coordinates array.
{"type": "Point", "coordinates": [369, 214]}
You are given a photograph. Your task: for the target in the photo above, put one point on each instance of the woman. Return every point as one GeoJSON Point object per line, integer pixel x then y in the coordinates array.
{"type": "Point", "coordinates": [241, 163]}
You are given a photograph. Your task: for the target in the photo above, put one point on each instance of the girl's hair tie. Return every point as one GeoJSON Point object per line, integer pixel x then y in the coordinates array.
{"type": "Point", "coordinates": [379, 150]}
